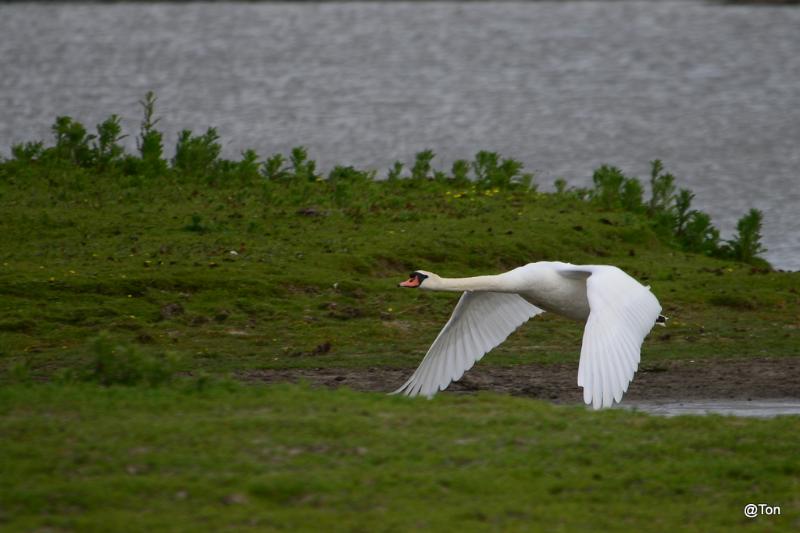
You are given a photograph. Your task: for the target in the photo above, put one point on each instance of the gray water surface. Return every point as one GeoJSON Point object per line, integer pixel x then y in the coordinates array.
{"type": "Point", "coordinates": [750, 409]}
{"type": "Point", "coordinates": [712, 90]}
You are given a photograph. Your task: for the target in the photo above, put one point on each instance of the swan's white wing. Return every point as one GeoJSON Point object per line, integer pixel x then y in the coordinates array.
{"type": "Point", "coordinates": [622, 313]}
{"type": "Point", "coordinates": [480, 321]}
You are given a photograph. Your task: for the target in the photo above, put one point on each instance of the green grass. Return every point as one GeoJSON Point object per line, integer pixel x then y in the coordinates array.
{"type": "Point", "coordinates": [263, 274]}
{"type": "Point", "coordinates": [88, 458]}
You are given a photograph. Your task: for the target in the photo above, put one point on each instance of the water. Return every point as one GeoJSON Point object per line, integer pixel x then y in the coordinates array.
{"type": "Point", "coordinates": [712, 90]}
{"type": "Point", "coordinates": [750, 409]}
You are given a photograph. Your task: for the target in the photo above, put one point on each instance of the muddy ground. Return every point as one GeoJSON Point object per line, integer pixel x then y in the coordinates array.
{"type": "Point", "coordinates": [739, 379]}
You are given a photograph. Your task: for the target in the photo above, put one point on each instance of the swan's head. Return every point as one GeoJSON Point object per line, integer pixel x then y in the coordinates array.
{"type": "Point", "coordinates": [417, 279]}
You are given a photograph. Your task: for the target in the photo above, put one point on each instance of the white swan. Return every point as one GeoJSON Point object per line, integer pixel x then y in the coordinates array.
{"type": "Point", "coordinates": [619, 312]}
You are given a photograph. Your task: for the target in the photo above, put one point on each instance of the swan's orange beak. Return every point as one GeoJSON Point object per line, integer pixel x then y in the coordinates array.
{"type": "Point", "coordinates": [410, 282]}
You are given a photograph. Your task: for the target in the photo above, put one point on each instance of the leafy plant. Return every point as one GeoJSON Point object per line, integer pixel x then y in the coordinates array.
{"type": "Point", "coordinates": [631, 195]}
{"type": "Point", "coordinates": [699, 235]}
{"type": "Point", "coordinates": [150, 142]}
{"type": "Point", "coordinates": [106, 149]}
{"type": "Point", "coordinates": [247, 169]}
{"type": "Point", "coordinates": [683, 203]}
{"type": "Point", "coordinates": [27, 152]}
{"type": "Point", "coordinates": [613, 189]}
{"type": "Point", "coordinates": [491, 171]}
{"type": "Point", "coordinates": [662, 188]}
{"type": "Point", "coordinates": [395, 171]}
{"type": "Point", "coordinates": [72, 142]}
{"type": "Point", "coordinates": [746, 244]}
{"type": "Point", "coordinates": [350, 174]}
{"type": "Point", "coordinates": [274, 168]}
{"type": "Point", "coordinates": [196, 155]}
{"type": "Point", "coordinates": [460, 171]}
{"type": "Point", "coordinates": [422, 165]}
{"type": "Point", "coordinates": [303, 167]}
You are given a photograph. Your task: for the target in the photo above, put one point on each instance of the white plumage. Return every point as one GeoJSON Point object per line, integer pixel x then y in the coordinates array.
{"type": "Point", "coordinates": [619, 312]}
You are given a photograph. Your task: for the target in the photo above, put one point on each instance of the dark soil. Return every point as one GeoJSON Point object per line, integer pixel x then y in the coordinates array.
{"type": "Point", "coordinates": [739, 379]}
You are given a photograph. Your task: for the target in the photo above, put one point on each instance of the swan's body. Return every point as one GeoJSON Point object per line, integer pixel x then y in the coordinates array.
{"type": "Point", "coordinates": [619, 312]}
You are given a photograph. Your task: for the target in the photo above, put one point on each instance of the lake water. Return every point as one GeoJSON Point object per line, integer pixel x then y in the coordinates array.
{"type": "Point", "coordinates": [712, 90]}
{"type": "Point", "coordinates": [743, 408]}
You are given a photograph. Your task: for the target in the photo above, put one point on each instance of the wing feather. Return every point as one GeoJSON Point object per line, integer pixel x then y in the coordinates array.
{"type": "Point", "coordinates": [479, 323]}
{"type": "Point", "coordinates": [622, 313]}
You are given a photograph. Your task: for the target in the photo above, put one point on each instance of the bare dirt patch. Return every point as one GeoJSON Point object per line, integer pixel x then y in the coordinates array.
{"type": "Point", "coordinates": [740, 379]}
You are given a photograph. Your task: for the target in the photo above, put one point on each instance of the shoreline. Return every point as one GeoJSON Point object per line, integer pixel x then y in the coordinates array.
{"type": "Point", "coordinates": [663, 381]}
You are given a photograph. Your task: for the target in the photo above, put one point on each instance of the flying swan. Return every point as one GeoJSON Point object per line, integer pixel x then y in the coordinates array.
{"type": "Point", "coordinates": [619, 312]}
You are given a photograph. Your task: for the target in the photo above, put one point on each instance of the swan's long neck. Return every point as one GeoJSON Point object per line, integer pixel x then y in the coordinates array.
{"type": "Point", "coordinates": [477, 283]}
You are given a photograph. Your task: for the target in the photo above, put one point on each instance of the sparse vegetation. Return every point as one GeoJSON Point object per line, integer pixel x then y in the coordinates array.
{"type": "Point", "coordinates": [746, 244]}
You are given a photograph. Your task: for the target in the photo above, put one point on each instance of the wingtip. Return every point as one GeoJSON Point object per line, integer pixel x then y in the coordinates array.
{"type": "Point", "coordinates": [597, 401]}
{"type": "Point", "coordinates": [404, 390]}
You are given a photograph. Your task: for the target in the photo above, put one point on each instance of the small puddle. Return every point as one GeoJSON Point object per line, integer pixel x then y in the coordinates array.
{"type": "Point", "coordinates": [753, 408]}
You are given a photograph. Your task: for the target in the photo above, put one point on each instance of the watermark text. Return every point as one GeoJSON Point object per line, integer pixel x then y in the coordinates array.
{"type": "Point", "coordinates": [752, 510]}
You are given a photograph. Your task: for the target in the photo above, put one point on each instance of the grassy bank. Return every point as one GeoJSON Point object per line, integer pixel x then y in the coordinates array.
{"type": "Point", "coordinates": [292, 458]}
{"type": "Point", "coordinates": [230, 276]}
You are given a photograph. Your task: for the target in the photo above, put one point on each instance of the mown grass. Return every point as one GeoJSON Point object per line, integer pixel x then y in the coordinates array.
{"type": "Point", "coordinates": [88, 458]}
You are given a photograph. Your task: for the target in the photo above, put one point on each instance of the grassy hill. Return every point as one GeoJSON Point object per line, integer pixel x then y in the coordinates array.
{"type": "Point", "coordinates": [298, 273]}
